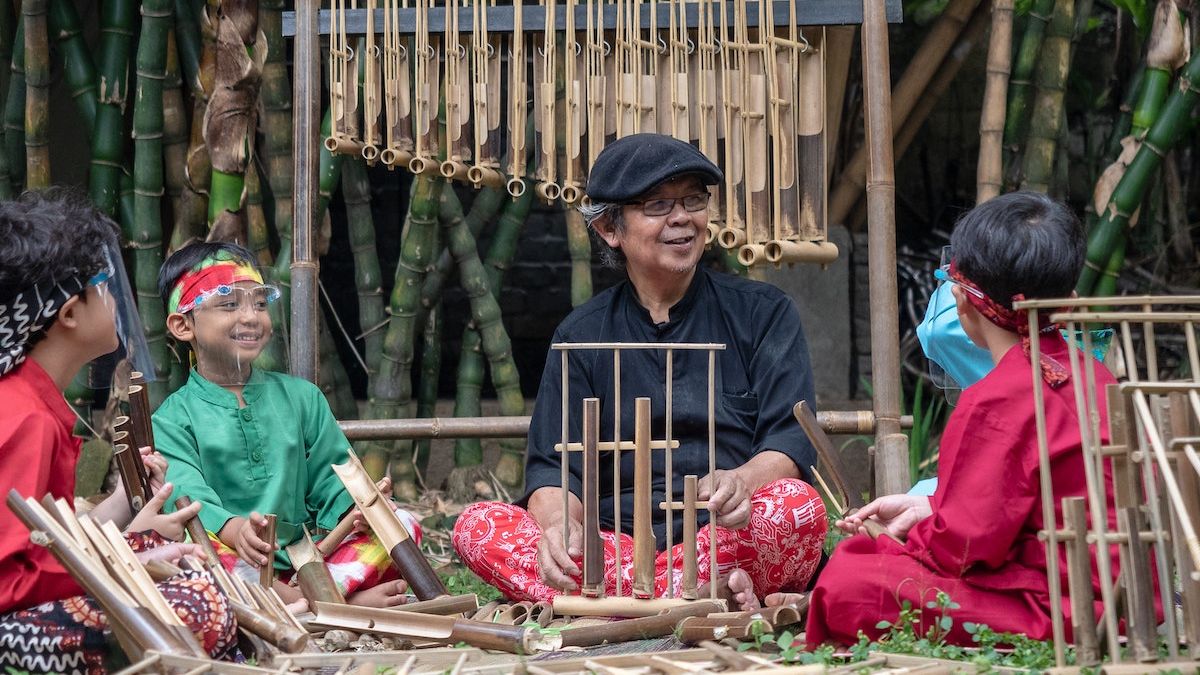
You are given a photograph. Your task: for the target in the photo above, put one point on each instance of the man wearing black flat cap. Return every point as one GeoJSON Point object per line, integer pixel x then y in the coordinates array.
{"type": "Point", "coordinates": [648, 205]}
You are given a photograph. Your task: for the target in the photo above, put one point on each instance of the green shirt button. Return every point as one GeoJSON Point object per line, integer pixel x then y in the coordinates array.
{"type": "Point", "coordinates": [256, 456]}
{"type": "Point", "coordinates": [246, 415]}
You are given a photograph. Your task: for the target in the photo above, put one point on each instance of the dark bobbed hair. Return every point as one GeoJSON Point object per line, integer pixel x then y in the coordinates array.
{"type": "Point", "coordinates": [50, 235]}
{"type": "Point", "coordinates": [191, 255]}
{"type": "Point", "coordinates": [1020, 243]}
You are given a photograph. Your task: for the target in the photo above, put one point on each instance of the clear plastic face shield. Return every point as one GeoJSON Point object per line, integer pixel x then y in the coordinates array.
{"type": "Point", "coordinates": [232, 325]}
{"type": "Point", "coordinates": [955, 362]}
{"type": "Point", "coordinates": [114, 290]}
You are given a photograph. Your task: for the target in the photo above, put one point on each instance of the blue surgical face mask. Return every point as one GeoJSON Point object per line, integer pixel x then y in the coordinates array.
{"type": "Point", "coordinates": [955, 361]}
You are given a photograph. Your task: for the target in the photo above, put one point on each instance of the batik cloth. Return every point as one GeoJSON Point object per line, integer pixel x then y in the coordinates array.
{"type": "Point", "coordinates": [779, 549]}
{"type": "Point", "coordinates": [72, 635]}
{"type": "Point", "coordinates": [358, 563]}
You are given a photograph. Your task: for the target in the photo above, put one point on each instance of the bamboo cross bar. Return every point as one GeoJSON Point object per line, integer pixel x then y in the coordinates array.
{"type": "Point", "coordinates": [593, 545]}
{"type": "Point", "coordinates": [266, 532]}
{"type": "Point", "coordinates": [316, 583]}
{"type": "Point", "coordinates": [608, 446]}
{"type": "Point", "coordinates": [391, 532]}
{"type": "Point", "coordinates": [440, 629]}
{"type": "Point", "coordinates": [644, 548]}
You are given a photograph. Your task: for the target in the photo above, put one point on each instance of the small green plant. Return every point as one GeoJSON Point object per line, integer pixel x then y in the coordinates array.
{"type": "Point", "coordinates": [462, 581]}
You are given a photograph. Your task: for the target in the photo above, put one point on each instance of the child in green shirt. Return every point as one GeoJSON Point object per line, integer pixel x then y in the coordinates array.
{"type": "Point", "coordinates": [244, 441]}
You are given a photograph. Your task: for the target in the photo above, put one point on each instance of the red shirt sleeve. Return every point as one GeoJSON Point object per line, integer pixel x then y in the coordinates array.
{"type": "Point", "coordinates": [29, 574]}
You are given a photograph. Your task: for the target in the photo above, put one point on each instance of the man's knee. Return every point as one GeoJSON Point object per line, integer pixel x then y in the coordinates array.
{"type": "Point", "coordinates": [478, 522]}
{"type": "Point", "coordinates": [790, 500]}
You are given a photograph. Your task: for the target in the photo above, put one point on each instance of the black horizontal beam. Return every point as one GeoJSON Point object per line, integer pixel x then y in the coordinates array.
{"type": "Point", "coordinates": [533, 18]}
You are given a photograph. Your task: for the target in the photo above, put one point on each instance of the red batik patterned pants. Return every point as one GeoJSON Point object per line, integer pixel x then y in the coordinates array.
{"type": "Point", "coordinates": [779, 549]}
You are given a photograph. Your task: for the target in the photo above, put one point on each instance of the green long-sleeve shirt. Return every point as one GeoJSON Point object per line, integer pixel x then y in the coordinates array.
{"type": "Point", "coordinates": [271, 456]}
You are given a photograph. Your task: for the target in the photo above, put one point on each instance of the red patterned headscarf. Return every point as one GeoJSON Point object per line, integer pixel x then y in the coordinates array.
{"type": "Point", "coordinates": [1016, 320]}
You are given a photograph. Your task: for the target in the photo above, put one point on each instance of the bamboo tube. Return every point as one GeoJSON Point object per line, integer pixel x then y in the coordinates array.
{"type": "Point", "coordinates": [446, 605]}
{"type": "Point", "coordinates": [391, 532]}
{"type": "Point", "coordinates": [1079, 580]}
{"type": "Point", "coordinates": [643, 628]}
{"type": "Point", "coordinates": [266, 532]}
{"type": "Point", "coordinates": [544, 76]}
{"type": "Point", "coordinates": [14, 112]}
{"type": "Point", "coordinates": [909, 90]}
{"type": "Point", "coordinates": [733, 234]}
{"type": "Point", "coordinates": [593, 546]}
{"type": "Point", "coordinates": [643, 529]}
{"type": "Point", "coordinates": [37, 94]}
{"type": "Point", "coordinates": [1135, 566]}
{"type": "Point", "coordinates": [197, 533]}
{"type": "Point", "coordinates": [175, 131]}
{"type": "Point", "coordinates": [439, 629]}
{"type": "Point", "coordinates": [574, 605]}
{"type": "Point", "coordinates": [138, 629]}
{"type": "Point", "coordinates": [147, 236]}
{"type": "Point", "coordinates": [1127, 196]}
{"type": "Point", "coordinates": [303, 269]}
{"type": "Point", "coordinates": [141, 426]}
{"type": "Point", "coordinates": [127, 458]}
{"type": "Point", "coordinates": [1046, 118]}
{"type": "Point", "coordinates": [392, 391]}
{"type": "Point", "coordinates": [456, 101]}
{"type": "Point", "coordinates": [487, 103]}
{"type": "Point", "coordinates": [989, 170]}
{"type": "Point", "coordinates": [689, 538]}
{"type": "Point", "coordinates": [313, 576]}
{"type": "Point", "coordinates": [287, 638]}
{"type": "Point", "coordinates": [117, 20]}
{"type": "Point", "coordinates": [891, 466]}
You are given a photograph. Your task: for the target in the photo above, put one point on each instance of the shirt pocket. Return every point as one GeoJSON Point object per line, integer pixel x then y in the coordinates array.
{"type": "Point", "coordinates": [745, 403]}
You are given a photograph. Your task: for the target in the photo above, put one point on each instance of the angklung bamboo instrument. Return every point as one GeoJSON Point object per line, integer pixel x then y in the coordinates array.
{"type": "Point", "coordinates": [486, 100]}
{"type": "Point", "coordinates": [136, 628]}
{"type": "Point", "coordinates": [596, 48]}
{"type": "Point", "coordinates": [625, 91]}
{"type": "Point", "coordinates": [397, 88]}
{"type": "Point", "coordinates": [266, 532]}
{"type": "Point", "coordinates": [574, 126]}
{"type": "Point", "coordinates": [648, 52]}
{"type": "Point", "coordinates": [754, 120]}
{"type": "Point", "coordinates": [370, 86]}
{"type": "Point", "coordinates": [518, 111]}
{"type": "Point", "coordinates": [425, 74]}
{"type": "Point", "coordinates": [593, 546]}
{"type": "Point", "coordinates": [644, 547]}
{"type": "Point", "coordinates": [705, 110]}
{"type": "Point", "coordinates": [316, 583]}
{"type": "Point", "coordinates": [343, 86]}
{"type": "Point", "coordinates": [141, 435]}
{"type": "Point", "coordinates": [543, 103]}
{"type": "Point", "coordinates": [679, 48]}
{"type": "Point", "coordinates": [781, 57]}
{"type": "Point", "coordinates": [441, 629]}
{"type": "Point", "coordinates": [412, 564]}
{"type": "Point", "coordinates": [733, 86]}
{"type": "Point", "coordinates": [457, 99]}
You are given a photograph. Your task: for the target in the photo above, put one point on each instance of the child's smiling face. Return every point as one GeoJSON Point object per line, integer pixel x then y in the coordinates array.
{"type": "Point", "coordinates": [229, 331]}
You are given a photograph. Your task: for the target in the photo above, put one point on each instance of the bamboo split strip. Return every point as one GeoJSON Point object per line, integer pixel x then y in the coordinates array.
{"type": "Point", "coordinates": [608, 446]}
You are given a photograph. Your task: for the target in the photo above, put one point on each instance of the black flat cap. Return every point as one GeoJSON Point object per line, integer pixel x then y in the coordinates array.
{"type": "Point", "coordinates": [633, 165]}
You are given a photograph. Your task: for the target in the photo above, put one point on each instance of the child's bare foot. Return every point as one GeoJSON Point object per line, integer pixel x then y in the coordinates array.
{"type": "Point", "coordinates": [777, 599]}
{"type": "Point", "coordinates": [742, 589]}
{"type": "Point", "coordinates": [387, 594]}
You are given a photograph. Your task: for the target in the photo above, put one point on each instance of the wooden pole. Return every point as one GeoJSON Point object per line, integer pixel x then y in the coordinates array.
{"type": "Point", "coordinates": [891, 446]}
{"type": "Point", "coordinates": [644, 545]}
{"type": "Point", "coordinates": [593, 546]}
{"type": "Point", "coordinates": [305, 142]}
{"type": "Point", "coordinates": [689, 538]}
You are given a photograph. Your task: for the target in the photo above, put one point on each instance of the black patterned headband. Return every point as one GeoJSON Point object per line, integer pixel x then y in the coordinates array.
{"type": "Point", "coordinates": [27, 313]}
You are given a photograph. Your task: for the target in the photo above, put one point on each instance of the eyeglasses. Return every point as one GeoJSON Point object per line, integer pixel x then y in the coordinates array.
{"type": "Point", "coordinates": [661, 207]}
{"type": "Point", "coordinates": [225, 298]}
{"type": "Point", "coordinates": [942, 274]}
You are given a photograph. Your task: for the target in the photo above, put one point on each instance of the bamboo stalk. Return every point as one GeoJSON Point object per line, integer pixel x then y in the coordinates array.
{"type": "Point", "coordinates": [990, 170]}
{"type": "Point", "coordinates": [909, 89]}
{"type": "Point", "coordinates": [1161, 137]}
{"type": "Point", "coordinates": [148, 189]}
{"type": "Point", "coordinates": [258, 233]}
{"type": "Point", "coordinates": [187, 40]}
{"type": "Point", "coordinates": [175, 127]}
{"type": "Point", "coordinates": [391, 395]}
{"type": "Point", "coordinates": [1020, 82]}
{"type": "Point", "coordinates": [1046, 119]}
{"type": "Point", "coordinates": [14, 112]}
{"type": "Point", "coordinates": [356, 192]}
{"type": "Point", "coordinates": [1166, 50]}
{"type": "Point", "coordinates": [230, 119]}
{"type": "Point", "coordinates": [117, 21]}
{"type": "Point", "coordinates": [79, 70]}
{"type": "Point", "coordinates": [332, 378]}
{"type": "Point", "coordinates": [37, 94]}
{"type": "Point", "coordinates": [484, 207]}
{"type": "Point", "coordinates": [8, 27]}
{"type": "Point", "coordinates": [579, 245]}
{"type": "Point", "coordinates": [276, 101]}
{"type": "Point", "coordinates": [431, 370]}
{"type": "Point", "coordinates": [191, 221]}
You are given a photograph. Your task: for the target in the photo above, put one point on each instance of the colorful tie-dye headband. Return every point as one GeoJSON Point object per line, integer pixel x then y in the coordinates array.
{"type": "Point", "coordinates": [207, 278]}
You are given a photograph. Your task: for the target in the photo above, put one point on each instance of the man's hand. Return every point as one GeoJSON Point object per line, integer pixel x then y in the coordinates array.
{"type": "Point", "coordinates": [241, 534]}
{"type": "Point", "coordinates": [728, 496]}
{"type": "Point", "coordinates": [169, 525]}
{"type": "Point", "coordinates": [897, 513]}
{"type": "Point", "coordinates": [556, 564]}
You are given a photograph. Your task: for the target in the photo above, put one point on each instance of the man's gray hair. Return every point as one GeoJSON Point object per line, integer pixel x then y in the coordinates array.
{"type": "Point", "coordinates": [592, 213]}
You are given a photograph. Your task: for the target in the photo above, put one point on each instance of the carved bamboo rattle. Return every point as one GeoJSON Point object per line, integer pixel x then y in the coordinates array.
{"type": "Point", "coordinates": [397, 88]}
{"type": "Point", "coordinates": [543, 102]}
{"type": "Point", "coordinates": [518, 113]}
{"type": "Point", "coordinates": [486, 101]}
{"type": "Point", "coordinates": [457, 108]}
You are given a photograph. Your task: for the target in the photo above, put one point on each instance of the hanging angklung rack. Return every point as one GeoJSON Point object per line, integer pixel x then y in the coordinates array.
{"type": "Point", "coordinates": [742, 80]}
